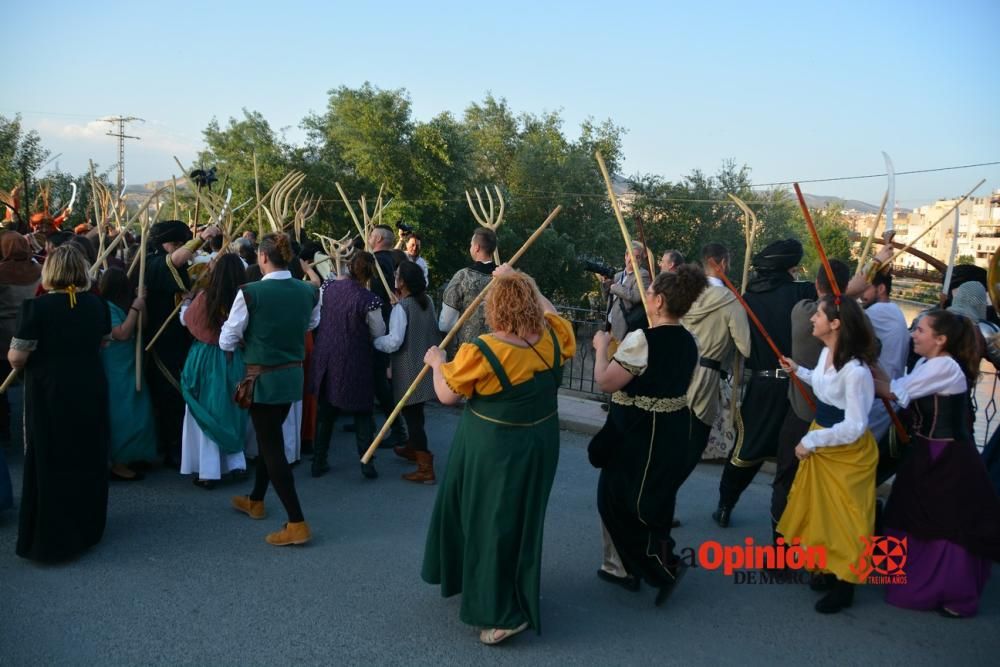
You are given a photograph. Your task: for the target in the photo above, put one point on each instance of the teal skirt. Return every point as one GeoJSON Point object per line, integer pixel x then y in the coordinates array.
{"type": "Point", "coordinates": [208, 381]}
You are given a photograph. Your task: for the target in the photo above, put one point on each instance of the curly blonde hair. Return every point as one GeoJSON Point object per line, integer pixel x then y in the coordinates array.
{"type": "Point", "coordinates": [512, 305]}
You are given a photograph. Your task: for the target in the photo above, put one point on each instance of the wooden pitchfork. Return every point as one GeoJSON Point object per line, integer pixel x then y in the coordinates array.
{"type": "Point", "coordinates": [484, 216]}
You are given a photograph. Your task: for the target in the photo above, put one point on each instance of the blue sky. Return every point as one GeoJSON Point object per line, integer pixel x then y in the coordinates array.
{"type": "Point", "coordinates": [796, 90]}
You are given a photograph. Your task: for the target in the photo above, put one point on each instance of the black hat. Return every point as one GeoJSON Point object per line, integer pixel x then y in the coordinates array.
{"type": "Point", "coordinates": [169, 231]}
{"type": "Point", "coordinates": [779, 256]}
{"type": "Point", "coordinates": [966, 273]}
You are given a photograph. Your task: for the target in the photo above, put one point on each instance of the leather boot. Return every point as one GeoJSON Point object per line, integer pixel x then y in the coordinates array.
{"type": "Point", "coordinates": [292, 533]}
{"type": "Point", "coordinates": [840, 597]}
{"type": "Point", "coordinates": [425, 469]}
{"type": "Point", "coordinates": [405, 451]}
{"type": "Point", "coordinates": [721, 516]}
{"type": "Point", "coordinates": [319, 464]}
{"type": "Point", "coordinates": [252, 508]}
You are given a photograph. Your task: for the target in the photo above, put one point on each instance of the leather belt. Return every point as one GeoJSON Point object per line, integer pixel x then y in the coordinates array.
{"type": "Point", "coordinates": [714, 365]}
{"type": "Point", "coordinates": [777, 373]}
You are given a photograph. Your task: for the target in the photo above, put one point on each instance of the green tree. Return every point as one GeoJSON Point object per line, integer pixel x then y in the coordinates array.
{"type": "Point", "coordinates": [21, 155]}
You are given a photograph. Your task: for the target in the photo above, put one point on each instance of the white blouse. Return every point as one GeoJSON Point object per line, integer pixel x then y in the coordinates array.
{"type": "Point", "coordinates": [939, 375]}
{"type": "Point", "coordinates": [851, 389]}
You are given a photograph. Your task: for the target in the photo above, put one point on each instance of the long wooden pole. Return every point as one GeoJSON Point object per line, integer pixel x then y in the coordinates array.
{"type": "Point", "coordinates": [933, 225]}
{"type": "Point", "coordinates": [9, 381]}
{"type": "Point", "coordinates": [871, 233]}
{"type": "Point", "coordinates": [256, 187]}
{"type": "Point", "coordinates": [767, 337]}
{"type": "Point", "coordinates": [835, 288]}
{"type": "Point", "coordinates": [625, 235]}
{"type": "Point", "coordinates": [142, 284]}
{"type": "Point", "coordinates": [362, 231]}
{"type": "Point", "coordinates": [451, 334]}
{"type": "Point", "coordinates": [642, 240]}
{"type": "Point", "coordinates": [163, 327]}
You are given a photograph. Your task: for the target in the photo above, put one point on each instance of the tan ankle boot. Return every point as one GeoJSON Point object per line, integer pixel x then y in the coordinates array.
{"type": "Point", "coordinates": [292, 533]}
{"type": "Point", "coordinates": [425, 469]}
{"type": "Point", "coordinates": [252, 508]}
{"type": "Point", "coordinates": [404, 451]}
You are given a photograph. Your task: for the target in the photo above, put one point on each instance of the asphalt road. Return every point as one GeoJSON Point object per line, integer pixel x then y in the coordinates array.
{"type": "Point", "coordinates": [182, 579]}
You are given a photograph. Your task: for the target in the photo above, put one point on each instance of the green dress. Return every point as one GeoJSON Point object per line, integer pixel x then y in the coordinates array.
{"type": "Point", "coordinates": [133, 435]}
{"type": "Point", "coordinates": [208, 381]}
{"type": "Point", "coordinates": [485, 536]}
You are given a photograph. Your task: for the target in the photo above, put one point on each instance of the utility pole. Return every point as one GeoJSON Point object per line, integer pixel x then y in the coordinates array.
{"type": "Point", "coordinates": [119, 123]}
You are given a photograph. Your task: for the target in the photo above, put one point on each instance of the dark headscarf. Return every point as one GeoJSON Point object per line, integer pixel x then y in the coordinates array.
{"type": "Point", "coordinates": [779, 256]}
{"type": "Point", "coordinates": [16, 267]}
{"type": "Point", "coordinates": [168, 231]}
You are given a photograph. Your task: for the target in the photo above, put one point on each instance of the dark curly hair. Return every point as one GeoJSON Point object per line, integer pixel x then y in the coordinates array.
{"type": "Point", "coordinates": [362, 267]}
{"type": "Point", "coordinates": [680, 288]}
{"type": "Point", "coordinates": [277, 247]}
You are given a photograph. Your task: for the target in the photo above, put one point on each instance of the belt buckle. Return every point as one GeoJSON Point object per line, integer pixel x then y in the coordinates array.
{"type": "Point", "coordinates": [781, 374]}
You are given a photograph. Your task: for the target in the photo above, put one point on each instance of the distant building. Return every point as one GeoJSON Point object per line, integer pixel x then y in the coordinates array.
{"type": "Point", "coordinates": [978, 230]}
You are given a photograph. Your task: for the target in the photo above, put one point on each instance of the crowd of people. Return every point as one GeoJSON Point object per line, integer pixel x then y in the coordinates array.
{"type": "Point", "coordinates": [234, 351]}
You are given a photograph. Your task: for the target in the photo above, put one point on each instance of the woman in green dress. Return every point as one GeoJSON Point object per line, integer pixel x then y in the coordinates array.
{"type": "Point", "coordinates": [133, 435]}
{"type": "Point", "coordinates": [485, 536]}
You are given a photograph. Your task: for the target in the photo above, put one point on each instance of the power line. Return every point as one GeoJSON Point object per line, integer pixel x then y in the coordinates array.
{"type": "Point", "coordinates": [857, 178]}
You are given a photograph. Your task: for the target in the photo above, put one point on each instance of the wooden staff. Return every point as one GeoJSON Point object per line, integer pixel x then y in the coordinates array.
{"type": "Point", "coordinates": [9, 381]}
{"type": "Point", "coordinates": [642, 240]}
{"type": "Point", "coordinates": [256, 187]}
{"type": "Point", "coordinates": [871, 234]}
{"type": "Point", "coordinates": [763, 332]}
{"type": "Point", "coordinates": [163, 327]}
{"type": "Point", "coordinates": [934, 224]}
{"type": "Point", "coordinates": [173, 188]}
{"type": "Point", "coordinates": [835, 288]}
{"type": "Point", "coordinates": [142, 283]}
{"type": "Point", "coordinates": [625, 234]}
{"type": "Point", "coordinates": [364, 237]}
{"type": "Point", "coordinates": [107, 253]}
{"type": "Point", "coordinates": [451, 334]}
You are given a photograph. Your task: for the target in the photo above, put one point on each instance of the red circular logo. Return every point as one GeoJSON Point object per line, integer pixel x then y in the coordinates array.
{"type": "Point", "coordinates": [888, 555]}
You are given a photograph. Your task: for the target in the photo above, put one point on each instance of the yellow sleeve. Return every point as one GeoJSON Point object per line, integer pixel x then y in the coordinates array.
{"type": "Point", "coordinates": [465, 370]}
{"type": "Point", "coordinates": [563, 329]}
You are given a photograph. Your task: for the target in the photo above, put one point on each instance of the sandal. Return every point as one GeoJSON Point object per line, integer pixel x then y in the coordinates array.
{"type": "Point", "coordinates": [492, 636]}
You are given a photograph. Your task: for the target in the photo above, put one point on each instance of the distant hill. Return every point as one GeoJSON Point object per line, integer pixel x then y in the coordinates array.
{"type": "Point", "coordinates": [822, 201]}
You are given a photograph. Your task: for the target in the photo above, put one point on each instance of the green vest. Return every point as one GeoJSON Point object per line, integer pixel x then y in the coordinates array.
{"type": "Point", "coordinates": [279, 311]}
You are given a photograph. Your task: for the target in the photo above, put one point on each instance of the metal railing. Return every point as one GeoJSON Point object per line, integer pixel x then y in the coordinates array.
{"type": "Point", "coordinates": [578, 374]}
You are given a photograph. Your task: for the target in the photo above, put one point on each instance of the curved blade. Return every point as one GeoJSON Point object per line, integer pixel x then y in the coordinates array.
{"type": "Point", "coordinates": [72, 199]}
{"type": "Point", "coordinates": [891, 200]}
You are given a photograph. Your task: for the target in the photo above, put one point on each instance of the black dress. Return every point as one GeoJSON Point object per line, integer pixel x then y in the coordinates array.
{"type": "Point", "coordinates": [65, 492]}
{"type": "Point", "coordinates": [643, 451]}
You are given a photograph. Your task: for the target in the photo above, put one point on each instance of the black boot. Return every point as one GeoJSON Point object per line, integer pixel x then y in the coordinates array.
{"type": "Point", "coordinates": [721, 516]}
{"type": "Point", "coordinates": [676, 571]}
{"type": "Point", "coordinates": [841, 597]}
{"type": "Point", "coordinates": [823, 582]}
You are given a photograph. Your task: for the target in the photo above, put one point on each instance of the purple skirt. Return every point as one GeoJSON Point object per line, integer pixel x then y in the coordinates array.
{"type": "Point", "coordinates": [939, 574]}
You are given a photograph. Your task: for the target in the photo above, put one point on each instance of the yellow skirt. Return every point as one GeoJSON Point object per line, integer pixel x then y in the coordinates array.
{"type": "Point", "coordinates": [832, 503]}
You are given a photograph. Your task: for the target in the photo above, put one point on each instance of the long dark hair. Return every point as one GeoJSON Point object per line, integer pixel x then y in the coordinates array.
{"type": "Point", "coordinates": [413, 277]}
{"type": "Point", "coordinates": [116, 287]}
{"type": "Point", "coordinates": [961, 343]}
{"type": "Point", "coordinates": [227, 276]}
{"type": "Point", "coordinates": [856, 339]}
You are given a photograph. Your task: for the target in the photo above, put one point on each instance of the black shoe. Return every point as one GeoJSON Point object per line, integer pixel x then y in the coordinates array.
{"type": "Point", "coordinates": [368, 470]}
{"type": "Point", "coordinates": [676, 572]}
{"type": "Point", "coordinates": [948, 613]}
{"type": "Point", "coordinates": [821, 583]}
{"type": "Point", "coordinates": [629, 583]}
{"type": "Point", "coordinates": [721, 516]}
{"type": "Point", "coordinates": [840, 597]}
{"type": "Point", "coordinates": [319, 468]}
{"type": "Point", "coordinates": [207, 484]}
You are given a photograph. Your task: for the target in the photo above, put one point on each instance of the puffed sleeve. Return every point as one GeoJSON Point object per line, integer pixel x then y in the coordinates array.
{"type": "Point", "coordinates": [465, 370]}
{"type": "Point", "coordinates": [633, 353]}
{"type": "Point", "coordinates": [563, 329]}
